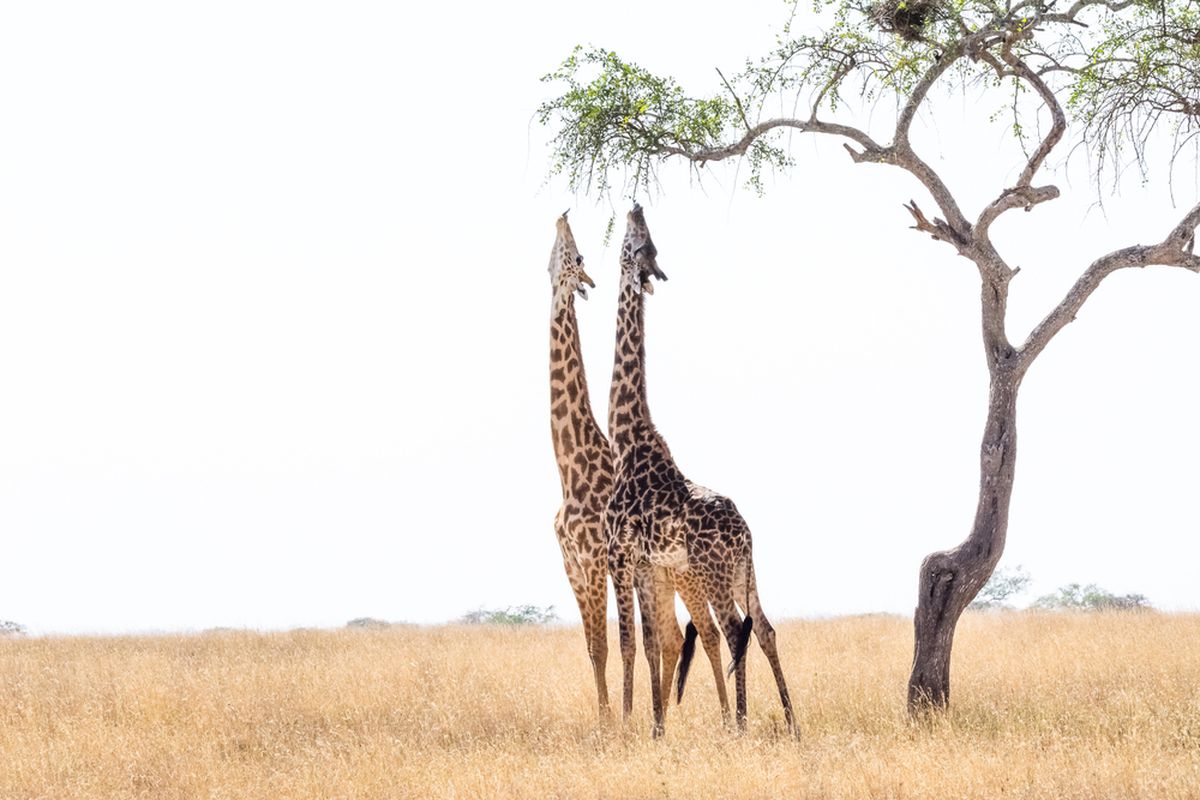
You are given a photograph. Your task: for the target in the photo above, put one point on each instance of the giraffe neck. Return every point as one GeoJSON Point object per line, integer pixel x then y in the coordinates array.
{"type": "Point", "coordinates": [627, 405]}
{"type": "Point", "coordinates": [571, 419]}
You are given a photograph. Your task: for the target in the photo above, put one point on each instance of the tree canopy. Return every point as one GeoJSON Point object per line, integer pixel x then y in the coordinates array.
{"type": "Point", "coordinates": [1120, 70]}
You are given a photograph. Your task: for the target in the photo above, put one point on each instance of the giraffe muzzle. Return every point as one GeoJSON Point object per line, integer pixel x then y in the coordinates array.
{"type": "Point", "coordinates": [584, 278]}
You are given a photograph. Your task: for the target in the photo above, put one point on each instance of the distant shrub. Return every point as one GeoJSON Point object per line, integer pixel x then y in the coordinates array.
{"type": "Point", "coordinates": [513, 615]}
{"type": "Point", "coordinates": [368, 622]}
{"type": "Point", "coordinates": [1074, 597]}
{"type": "Point", "coordinates": [9, 628]}
{"type": "Point", "coordinates": [1001, 587]}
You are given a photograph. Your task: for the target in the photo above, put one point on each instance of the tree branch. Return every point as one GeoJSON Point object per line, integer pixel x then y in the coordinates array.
{"type": "Point", "coordinates": [939, 229]}
{"type": "Point", "coordinates": [921, 90]}
{"type": "Point", "coordinates": [1018, 197]}
{"type": "Point", "coordinates": [1057, 129]}
{"type": "Point", "coordinates": [1173, 251]}
{"type": "Point", "coordinates": [736, 99]}
{"type": "Point", "coordinates": [1071, 13]}
{"type": "Point", "coordinates": [1023, 194]}
{"type": "Point", "coordinates": [738, 148]}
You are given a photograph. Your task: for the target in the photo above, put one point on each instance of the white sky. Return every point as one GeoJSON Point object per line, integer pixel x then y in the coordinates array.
{"type": "Point", "coordinates": [274, 309]}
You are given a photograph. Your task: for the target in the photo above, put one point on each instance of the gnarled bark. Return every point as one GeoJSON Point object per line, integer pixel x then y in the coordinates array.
{"type": "Point", "coordinates": [950, 579]}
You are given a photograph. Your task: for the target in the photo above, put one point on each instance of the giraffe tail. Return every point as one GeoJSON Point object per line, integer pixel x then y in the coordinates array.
{"type": "Point", "coordinates": [685, 659]}
{"type": "Point", "coordinates": [743, 641]}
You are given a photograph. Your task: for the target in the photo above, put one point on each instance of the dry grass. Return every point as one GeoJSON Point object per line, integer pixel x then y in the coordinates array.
{"type": "Point", "coordinates": [1046, 706]}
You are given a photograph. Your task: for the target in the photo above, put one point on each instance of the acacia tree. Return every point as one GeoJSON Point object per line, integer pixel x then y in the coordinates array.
{"type": "Point", "coordinates": [1118, 69]}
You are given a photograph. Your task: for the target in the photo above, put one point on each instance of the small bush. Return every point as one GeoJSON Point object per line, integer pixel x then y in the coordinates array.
{"type": "Point", "coordinates": [1074, 597]}
{"type": "Point", "coordinates": [1000, 588]}
{"type": "Point", "coordinates": [9, 628]}
{"type": "Point", "coordinates": [513, 615]}
{"type": "Point", "coordinates": [368, 622]}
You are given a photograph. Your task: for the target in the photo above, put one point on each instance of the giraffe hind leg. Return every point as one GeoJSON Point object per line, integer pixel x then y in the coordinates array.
{"type": "Point", "coordinates": [735, 630]}
{"type": "Point", "coordinates": [596, 630]}
{"type": "Point", "coordinates": [697, 605]}
{"type": "Point", "coordinates": [765, 633]}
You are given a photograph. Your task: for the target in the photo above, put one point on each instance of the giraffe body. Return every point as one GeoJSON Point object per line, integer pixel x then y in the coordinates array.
{"type": "Point", "coordinates": [664, 529]}
{"type": "Point", "coordinates": [583, 456]}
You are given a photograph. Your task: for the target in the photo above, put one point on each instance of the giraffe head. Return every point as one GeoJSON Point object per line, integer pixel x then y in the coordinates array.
{"type": "Point", "coordinates": [638, 254]}
{"type": "Point", "coordinates": [566, 265]}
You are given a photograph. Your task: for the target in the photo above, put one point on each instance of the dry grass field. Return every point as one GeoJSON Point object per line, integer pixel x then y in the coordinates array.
{"type": "Point", "coordinates": [1045, 706]}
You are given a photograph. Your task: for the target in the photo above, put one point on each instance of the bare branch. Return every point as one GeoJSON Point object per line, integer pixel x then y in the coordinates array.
{"type": "Point", "coordinates": [921, 90]}
{"type": "Point", "coordinates": [1057, 128]}
{"type": "Point", "coordinates": [1173, 251]}
{"type": "Point", "coordinates": [1185, 231]}
{"type": "Point", "coordinates": [937, 188]}
{"type": "Point", "coordinates": [938, 228]}
{"type": "Point", "coordinates": [1069, 16]}
{"type": "Point", "coordinates": [1018, 197]}
{"type": "Point", "coordinates": [1023, 195]}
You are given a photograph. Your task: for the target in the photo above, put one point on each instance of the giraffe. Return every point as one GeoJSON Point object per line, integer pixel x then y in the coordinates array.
{"type": "Point", "coordinates": [583, 455]}
{"type": "Point", "coordinates": [586, 473]}
{"type": "Point", "coordinates": [660, 526]}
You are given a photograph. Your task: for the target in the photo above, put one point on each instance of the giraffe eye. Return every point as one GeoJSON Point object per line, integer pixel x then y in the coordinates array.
{"type": "Point", "coordinates": [578, 260]}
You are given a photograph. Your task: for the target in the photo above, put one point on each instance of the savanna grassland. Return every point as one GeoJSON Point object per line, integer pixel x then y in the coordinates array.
{"type": "Point", "coordinates": [1045, 706]}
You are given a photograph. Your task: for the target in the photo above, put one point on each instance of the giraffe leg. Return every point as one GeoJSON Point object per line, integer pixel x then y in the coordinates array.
{"type": "Point", "coordinates": [670, 637]}
{"type": "Point", "coordinates": [710, 637]}
{"type": "Point", "coordinates": [591, 593]}
{"type": "Point", "coordinates": [595, 627]}
{"type": "Point", "coordinates": [766, 640]}
{"type": "Point", "coordinates": [735, 637]}
{"type": "Point", "coordinates": [622, 579]}
{"type": "Point", "coordinates": [647, 594]}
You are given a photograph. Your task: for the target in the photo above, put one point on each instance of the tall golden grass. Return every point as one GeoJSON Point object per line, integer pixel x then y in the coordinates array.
{"type": "Point", "coordinates": [1044, 706]}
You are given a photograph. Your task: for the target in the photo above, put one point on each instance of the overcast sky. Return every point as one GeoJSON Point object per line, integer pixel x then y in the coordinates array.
{"type": "Point", "coordinates": [274, 328]}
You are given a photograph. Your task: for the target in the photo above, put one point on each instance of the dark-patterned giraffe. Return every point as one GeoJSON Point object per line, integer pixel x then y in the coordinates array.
{"type": "Point", "coordinates": [660, 525]}
{"type": "Point", "coordinates": [583, 454]}
{"type": "Point", "coordinates": [585, 470]}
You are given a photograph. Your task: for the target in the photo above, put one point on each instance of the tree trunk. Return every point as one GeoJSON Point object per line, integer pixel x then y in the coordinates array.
{"type": "Point", "coordinates": [950, 579]}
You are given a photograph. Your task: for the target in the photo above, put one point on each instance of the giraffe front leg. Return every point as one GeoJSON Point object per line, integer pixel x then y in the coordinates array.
{"type": "Point", "coordinates": [589, 583]}
{"type": "Point", "coordinates": [596, 629]}
{"type": "Point", "coordinates": [622, 580]}
{"type": "Point", "coordinates": [647, 594]}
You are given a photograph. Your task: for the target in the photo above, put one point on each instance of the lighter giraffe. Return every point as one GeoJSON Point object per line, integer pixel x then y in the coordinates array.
{"type": "Point", "coordinates": [661, 524]}
{"type": "Point", "coordinates": [583, 455]}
